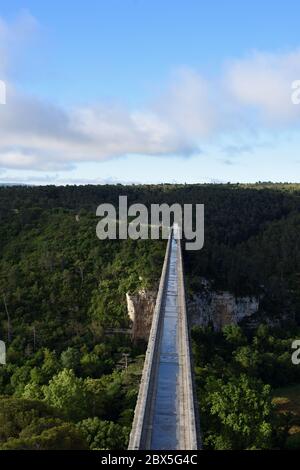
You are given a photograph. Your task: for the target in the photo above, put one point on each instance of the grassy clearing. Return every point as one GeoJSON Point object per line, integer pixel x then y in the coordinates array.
{"type": "Point", "coordinates": [287, 401]}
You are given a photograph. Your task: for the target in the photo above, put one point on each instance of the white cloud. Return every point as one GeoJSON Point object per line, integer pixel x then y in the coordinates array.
{"type": "Point", "coordinates": [249, 93]}
{"type": "Point", "coordinates": [42, 136]}
{"type": "Point", "coordinates": [57, 179]}
{"type": "Point", "coordinates": [263, 82]}
{"type": "Point", "coordinates": [189, 105]}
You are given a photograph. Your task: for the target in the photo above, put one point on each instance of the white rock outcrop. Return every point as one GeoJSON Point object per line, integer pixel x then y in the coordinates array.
{"type": "Point", "coordinates": [219, 308]}
{"type": "Point", "coordinates": [140, 308]}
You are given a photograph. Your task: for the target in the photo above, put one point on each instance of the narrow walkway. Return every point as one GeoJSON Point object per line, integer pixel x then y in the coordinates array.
{"type": "Point", "coordinates": [165, 413]}
{"type": "Point", "coordinates": [165, 432]}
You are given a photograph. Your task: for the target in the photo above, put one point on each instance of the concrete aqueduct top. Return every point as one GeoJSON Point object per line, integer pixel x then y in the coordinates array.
{"type": "Point", "coordinates": [166, 412]}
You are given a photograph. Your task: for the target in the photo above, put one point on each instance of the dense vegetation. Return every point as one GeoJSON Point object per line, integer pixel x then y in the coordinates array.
{"type": "Point", "coordinates": [236, 371]}
{"type": "Point", "coordinates": [62, 293]}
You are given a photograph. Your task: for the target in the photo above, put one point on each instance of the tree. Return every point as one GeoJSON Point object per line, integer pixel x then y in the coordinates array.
{"type": "Point", "coordinates": [70, 359]}
{"type": "Point", "coordinates": [67, 393]}
{"type": "Point", "coordinates": [17, 413]}
{"type": "Point", "coordinates": [104, 435]}
{"type": "Point", "coordinates": [64, 436]}
{"type": "Point", "coordinates": [234, 335]}
{"type": "Point", "coordinates": [33, 391]}
{"type": "Point", "coordinates": [243, 409]}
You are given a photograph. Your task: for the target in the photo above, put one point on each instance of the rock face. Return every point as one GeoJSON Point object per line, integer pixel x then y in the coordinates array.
{"type": "Point", "coordinates": [140, 307]}
{"type": "Point", "coordinates": [219, 308]}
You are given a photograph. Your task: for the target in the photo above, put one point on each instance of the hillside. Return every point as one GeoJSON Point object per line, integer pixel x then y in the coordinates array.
{"type": "Point", "coordinates": [62, 289]}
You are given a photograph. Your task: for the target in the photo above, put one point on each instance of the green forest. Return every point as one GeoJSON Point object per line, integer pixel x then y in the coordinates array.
{"type": "Point", "coordinates": [72, 373]}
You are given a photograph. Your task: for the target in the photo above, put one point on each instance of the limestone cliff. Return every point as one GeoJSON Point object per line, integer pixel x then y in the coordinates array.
{"type": "Point", "coordinates": [140, 307]}
{"type": "Point", "coordinates": [219, 308]}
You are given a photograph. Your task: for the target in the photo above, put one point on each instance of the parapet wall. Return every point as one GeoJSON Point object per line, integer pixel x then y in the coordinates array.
{"type": "Point", "coordinates": [190, 408]}
{"type": "Point", "coordinates": [136, 440]}
{"type": "Point", "coordinates": [187, 413]}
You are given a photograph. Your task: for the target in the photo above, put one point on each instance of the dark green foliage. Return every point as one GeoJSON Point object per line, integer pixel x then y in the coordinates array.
{"type": "Point", "coordinates": [62, 290]}
{"type": "Point", "coordinates": [16, 414]}
{"type": "Point", "coordinates": [104, 435]}
{"type": "Point", "coordinates": [61, 437]}
{"type": "Point", "coordinates": [235, 370]}
{"type": "Point", "coordinates": [242, 409]}
{"type": "Point", "coordinates": [293, 442]}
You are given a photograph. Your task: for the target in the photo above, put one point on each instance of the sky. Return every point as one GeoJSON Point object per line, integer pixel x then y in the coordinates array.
{"type": "Point", "coordinates": [149, 91]}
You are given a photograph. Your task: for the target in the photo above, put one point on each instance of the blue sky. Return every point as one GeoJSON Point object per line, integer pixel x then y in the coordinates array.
{"type": "Point", "coordinates": [149, 91]}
